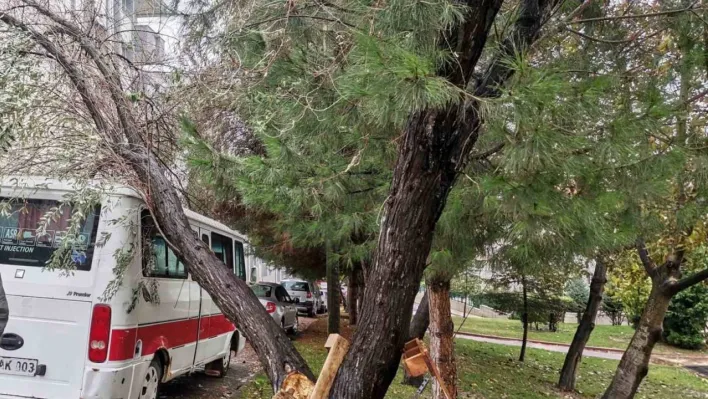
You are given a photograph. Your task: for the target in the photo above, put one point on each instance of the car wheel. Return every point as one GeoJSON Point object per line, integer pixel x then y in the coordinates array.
{"type": "Point", "coordinates": [151, 382]}
{"type": "Point", "coordinates": [295, 328]}
{"type": "Point", "coordinates": [311, 312]}
{"type": "Point", "coordinates": [219, 367]}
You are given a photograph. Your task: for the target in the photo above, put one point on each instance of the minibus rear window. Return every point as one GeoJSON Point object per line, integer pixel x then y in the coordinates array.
{"type": "Point", "coordinates": [22, 243]}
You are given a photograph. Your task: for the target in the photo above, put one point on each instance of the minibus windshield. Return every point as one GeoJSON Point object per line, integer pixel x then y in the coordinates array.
{"type": "Point", "coordinates": [23, 243]}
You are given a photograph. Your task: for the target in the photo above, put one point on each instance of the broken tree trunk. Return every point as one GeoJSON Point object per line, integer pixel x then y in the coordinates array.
{"type": "Point", "coordinates": [442, 331]}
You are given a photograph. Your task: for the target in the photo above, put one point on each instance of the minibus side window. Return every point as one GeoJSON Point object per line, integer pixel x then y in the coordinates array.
{"type": "Point", "coordinates": [240, 261]}
{"type": "Point", "coordinates": [223, 248]}
{"type": "Point", "coordinates": [165, 262]}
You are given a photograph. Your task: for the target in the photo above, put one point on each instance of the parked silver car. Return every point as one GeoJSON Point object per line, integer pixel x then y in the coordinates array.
{"type": "Point", "coordinates": [308, 294]}
{"type": "Point", "coordinates": [278, 304]}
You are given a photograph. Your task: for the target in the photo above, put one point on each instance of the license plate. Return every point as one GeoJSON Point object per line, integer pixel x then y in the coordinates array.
{"type": "Point", "coordinates": [18, 366]}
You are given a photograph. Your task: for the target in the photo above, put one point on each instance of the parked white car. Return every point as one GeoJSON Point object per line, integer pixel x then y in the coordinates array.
{"type": "Point", "coordinates": [278, 304]}
{"type": "Point", "coordinates": [307, 294]}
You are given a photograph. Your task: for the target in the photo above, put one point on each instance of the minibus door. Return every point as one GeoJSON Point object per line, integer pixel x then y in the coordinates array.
{"type": "Point", "coordinates": [205, 309]}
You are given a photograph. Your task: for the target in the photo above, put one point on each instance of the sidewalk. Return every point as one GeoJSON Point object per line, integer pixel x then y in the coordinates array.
{"type": "Point", "coordinates": [697, 364]}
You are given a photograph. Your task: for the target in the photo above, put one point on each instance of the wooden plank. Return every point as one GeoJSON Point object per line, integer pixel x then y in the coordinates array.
{"type": "Point", "coordinates": [337, 352]}
{"type": "Point", "coordinates": [434, 370]}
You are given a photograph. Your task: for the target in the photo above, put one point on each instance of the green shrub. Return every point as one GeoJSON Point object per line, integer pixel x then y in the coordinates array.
{"type": "Point", "coordinates": [685, 321]}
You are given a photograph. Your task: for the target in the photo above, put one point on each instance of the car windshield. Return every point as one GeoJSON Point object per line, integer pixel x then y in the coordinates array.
{"type": "Point", "coordinates": [262, 291]}
{"type": "Point", "coordinates": [296, 286]}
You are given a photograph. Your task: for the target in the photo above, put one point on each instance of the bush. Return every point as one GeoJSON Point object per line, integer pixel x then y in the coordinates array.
{"type": "Point", "coordinates": [685, 321]}
{"type": "Point", "coordinates": [612, 306]}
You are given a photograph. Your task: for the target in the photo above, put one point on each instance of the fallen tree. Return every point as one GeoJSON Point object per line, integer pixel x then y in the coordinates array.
{"type": "Point", "coordinates": [100, 86]}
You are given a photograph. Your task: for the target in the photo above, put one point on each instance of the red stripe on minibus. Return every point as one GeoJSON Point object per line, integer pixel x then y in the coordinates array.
{"type": "Point", "coordinates": [165, 335]}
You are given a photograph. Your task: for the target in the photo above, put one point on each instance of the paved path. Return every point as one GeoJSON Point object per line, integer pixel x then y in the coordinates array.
{"type": "Point", "coordinates": [697, 364]}
{"type": "Point", "coordinates": [615, 355]}
{"type": "Point", "coordinates": [701, 370]}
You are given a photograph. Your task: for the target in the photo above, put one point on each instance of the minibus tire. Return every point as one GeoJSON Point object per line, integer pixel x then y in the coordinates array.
{"type": "Point", "coordinates": [219, 367]}
{"type": "Point", "coordinates": [156, 367]}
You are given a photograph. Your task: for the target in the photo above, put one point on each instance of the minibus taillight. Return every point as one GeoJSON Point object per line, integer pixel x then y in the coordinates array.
{"type": "Point", "coordinates": [270, 307]}
{"type": "Point", "coordinates": [100, 332]}
{"type": "Point", "coordinates": [309, 294]}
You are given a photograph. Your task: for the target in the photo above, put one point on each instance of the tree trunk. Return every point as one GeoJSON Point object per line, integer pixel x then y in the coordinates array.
{"type": "Point", "coordinates": [419, 326]}
{"type": "Point", "coordinates": [634, 365]}
{"type": "Point", "coordinates": [353, 295]}
{"type": "Point", "coordinates": [524, 319]}
{"type": "Point", "coordinates": [432, 150]}
{"type": "Point", "coordinates": [421, 319]}
{"type": "Point", "coordinates": [361, 279]}
{"type": "Point", "coordinates": [441, 337]}
{"type": "Point", "coordinates": [115, 122]}
{"type": "Point", "coordinates": [332, 293]}
{"type": "Point", "coordinates": [587, 324]}
{"type": "Point", "coordinates": [233, 297]}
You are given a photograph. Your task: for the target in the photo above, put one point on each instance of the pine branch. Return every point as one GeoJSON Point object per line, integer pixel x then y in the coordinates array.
{"type": "Point", "coordinates": [601, 40]}
{"type": "Point", "coordinates": [485, 154]}
{"type": "Point", "coordinates": [300, 16]}
{"type": "Point", "coordinates": [634, 16]}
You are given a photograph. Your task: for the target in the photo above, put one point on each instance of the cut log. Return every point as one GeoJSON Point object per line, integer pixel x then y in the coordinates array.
{"type": "Point", "coordinates": [295, 386]}
{"type": "Point", "coordinates": [338, 348]}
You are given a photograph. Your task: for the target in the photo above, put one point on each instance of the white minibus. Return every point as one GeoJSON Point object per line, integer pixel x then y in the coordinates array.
{"type": "Point", "coordinates": [83, 332]}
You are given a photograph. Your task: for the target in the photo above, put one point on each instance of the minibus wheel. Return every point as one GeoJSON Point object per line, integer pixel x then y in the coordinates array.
{"type": "Point", "coordinates": [219, 367]}
{"type": "Point", "coordinates": [151, 382]}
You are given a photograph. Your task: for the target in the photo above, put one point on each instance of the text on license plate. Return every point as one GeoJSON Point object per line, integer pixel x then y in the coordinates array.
{"type": "Point", "coordinates": [18, 366]}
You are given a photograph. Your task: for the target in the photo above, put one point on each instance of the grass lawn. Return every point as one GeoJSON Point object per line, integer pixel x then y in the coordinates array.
{"type": "Point", "coordinates": [491, 371]}
{"type": "Point", "coordinates": [603, 336]}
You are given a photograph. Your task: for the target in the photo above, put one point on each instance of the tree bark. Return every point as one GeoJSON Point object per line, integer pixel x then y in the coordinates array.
{"type": "Point", "coordinates": [233, 297]}
{"type": "Point", "coordinates": [433, 148]}
{"type": "Point", "coordinates": [524, 319]}
{"type": "Point", "coordinates": [421, 319]}
{"type": "Point", "coordinates": [353, 295]}
{"type": "Point", "coordinates": [332, 293]}
{"type": "Point", "coordinates": [441, 337]}
{"type": "Point", "coordinates": [634, 365]}
{"type": "Point", "coordinates": [587, 324]}
{"type": "Point", "coordinates": [361, 278]}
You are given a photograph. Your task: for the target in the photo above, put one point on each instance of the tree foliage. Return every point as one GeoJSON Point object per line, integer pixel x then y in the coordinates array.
{"type": "Point", "coordinates": [686, 319]}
